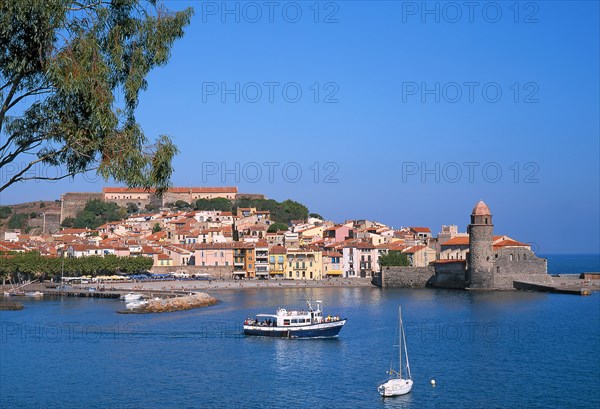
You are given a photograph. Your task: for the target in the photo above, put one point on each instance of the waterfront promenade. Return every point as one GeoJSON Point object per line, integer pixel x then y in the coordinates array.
{"type": "Point", "coordinates": [212, 285]}
{"type": "Point", "coordinates": [185, 285]}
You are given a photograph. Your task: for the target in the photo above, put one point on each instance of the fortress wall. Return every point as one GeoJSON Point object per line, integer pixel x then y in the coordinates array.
{"type": "Point", "coordinates": [451, 275]}
{"type": "Point", "coordinates": [405, 277]}
{"type": "Point", "coordinates": [524, 266]}
{"type": "Point", "coordinates": [72, 203]}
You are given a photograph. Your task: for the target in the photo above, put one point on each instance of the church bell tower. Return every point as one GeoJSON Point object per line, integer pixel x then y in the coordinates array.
{"type": "Point", "coordinates": [480, 272]}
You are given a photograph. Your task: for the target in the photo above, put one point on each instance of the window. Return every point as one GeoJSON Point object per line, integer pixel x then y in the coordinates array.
{"type": "Point", "coordinates": [216, 263]}
{"type": "Point", "coordinates": [203, 263]}
{"type": "Point", "coordinates": [249, 266]}
{"type": "Point", "coordinates": [227, 263]}
{"type": "Point", "coordinates": [271, 259]}
{"type": "Point", "coordinates": [524, 257]}
{"type": "Point", "coordinates": [297, 274]}
{"type": "Point", "coordinates": [290, 274]}
{"type": "Point", "coordinates": [510, 257]}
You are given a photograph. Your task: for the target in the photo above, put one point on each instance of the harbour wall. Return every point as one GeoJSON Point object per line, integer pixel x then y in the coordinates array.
{"type": "Point", "coordinates": [403, 277]}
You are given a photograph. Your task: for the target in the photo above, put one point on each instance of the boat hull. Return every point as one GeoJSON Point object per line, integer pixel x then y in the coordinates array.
{"type": "Point", "coordinates": [395, 387]}
{"type": "Point", "coordinates": [322, 330]}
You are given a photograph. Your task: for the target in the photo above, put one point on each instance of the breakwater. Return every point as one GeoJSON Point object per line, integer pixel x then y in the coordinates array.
{"type": "Point", "coordinates": [186, 302]}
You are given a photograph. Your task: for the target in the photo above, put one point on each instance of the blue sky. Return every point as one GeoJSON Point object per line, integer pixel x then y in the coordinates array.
{"type": "Point", "coordinates": [417, 112]}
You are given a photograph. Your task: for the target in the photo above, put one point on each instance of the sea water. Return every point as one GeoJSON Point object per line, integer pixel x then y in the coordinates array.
{"type": "Point", "coordinates": [484, 350]}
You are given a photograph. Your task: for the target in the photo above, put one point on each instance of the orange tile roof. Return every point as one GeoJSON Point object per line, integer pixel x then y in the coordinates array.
{"type": "Point", "coordinates": [421, 229]}
{"type": "Point", "coordinates": [457, 241]}
{"type": "Point", "coordinates": [448, 261]}
{"type": "Point", "coordinates": [226, 189]}
{"type": "Point", "coordinates": [509, 243]}
{"type": "Point", "coordinates": [414, 249]}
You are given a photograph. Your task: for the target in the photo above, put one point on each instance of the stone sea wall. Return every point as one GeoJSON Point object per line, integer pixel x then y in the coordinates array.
{"type": "Point", "coordinates": [404, 277]}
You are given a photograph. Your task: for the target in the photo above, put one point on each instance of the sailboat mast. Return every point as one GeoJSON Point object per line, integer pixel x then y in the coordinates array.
{"type": "Point", "coordinates": [400, 333]}
{"type": "Point", "coordinates": [405, 350]}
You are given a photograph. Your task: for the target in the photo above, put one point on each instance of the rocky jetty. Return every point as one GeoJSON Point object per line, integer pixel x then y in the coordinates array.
{"type": "Point", "coordinates": [10, 306]}
{"type": "Point", "coordinates": [186, 302]}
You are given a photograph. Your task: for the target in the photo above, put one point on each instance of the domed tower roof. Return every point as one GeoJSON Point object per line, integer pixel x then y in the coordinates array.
{"type": "Point", "coordinates": [481, 209]}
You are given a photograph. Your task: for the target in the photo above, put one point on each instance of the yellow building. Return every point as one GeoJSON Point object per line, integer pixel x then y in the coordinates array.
{"type": "Point", "coordinates": [304, 265]}
{"type": "Point", "coordinates": [332, 264]}
{"type": "Point", "coordinates": [162, 260]}
{"type": "Point", "coordinates": [243, 260]}
{"type": "Point", "coordinates": [277, 261]}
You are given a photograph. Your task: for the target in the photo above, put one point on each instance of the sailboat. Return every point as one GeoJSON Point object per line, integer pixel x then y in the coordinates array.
{"type": "Point", "coordinates": [397, 385]}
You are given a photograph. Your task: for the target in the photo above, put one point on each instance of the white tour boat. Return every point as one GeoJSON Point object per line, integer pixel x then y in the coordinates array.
{"type": "Point", "coordinates": [309, 323]}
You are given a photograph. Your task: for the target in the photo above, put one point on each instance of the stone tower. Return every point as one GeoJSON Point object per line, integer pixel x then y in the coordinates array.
{"type": "Point", "coordinates": [480, 273]}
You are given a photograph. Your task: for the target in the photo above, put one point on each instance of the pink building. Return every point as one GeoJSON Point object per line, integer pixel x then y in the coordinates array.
{"type": "Point", "coordinates": [338, 233]}
{"type": "Point", "coordinates": [213, 254]}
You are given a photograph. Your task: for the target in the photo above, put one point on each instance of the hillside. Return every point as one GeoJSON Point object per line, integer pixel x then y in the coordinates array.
{"type": "Point", "coordinates": [30, 216]}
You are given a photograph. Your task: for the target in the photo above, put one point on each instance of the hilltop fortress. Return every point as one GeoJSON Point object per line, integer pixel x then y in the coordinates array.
{"type": "Point", "coordinates": [72, 203]}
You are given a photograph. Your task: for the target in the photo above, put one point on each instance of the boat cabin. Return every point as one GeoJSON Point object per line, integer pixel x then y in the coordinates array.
{"type": "Point", "coordinates": [293, 318]}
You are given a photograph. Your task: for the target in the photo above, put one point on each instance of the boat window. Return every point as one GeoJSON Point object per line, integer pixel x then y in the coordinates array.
{"type": "Point", "coordinates": [286, 322]}
{"type": "Point", "coordinates": [294, 321]}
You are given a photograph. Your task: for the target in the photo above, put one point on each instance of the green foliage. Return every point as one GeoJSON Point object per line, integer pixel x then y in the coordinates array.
{"type": "Point", "coordinates": [132, 208]}
{"type": "Point", "coordinates": [32, 215]}
{"type": "Point", "coordinates": [33, 264]}
{"type": "Point", "coordinates": [394, 258]}
{"type": "Point", "coordinates": [73, 72]}
{"type": "Point", "coordinates": [182, 204]}
{"type": "Point", "coordinates": [17, 221]}
{"type": "Point", "coordinates": [156, 228]}
{"type": "Point", "coordinates": [42, 205]}
{"type": "Point", "coordinates": [152, 207]}
{"type": "Point", "coordinates": [275, 227]}
{"type": "Point", "coordinates": [5, 212]}
{"type": "Point", "coordinates": [218, 203]}
{"type": "Point", "coordinates": [282, 212]}
{"type": "Point", "coordinates": [68, 222]}
{"type": "Point", "coordinates": [316, 216]}
{"type": "Point", "coordinates": [96, 213]}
